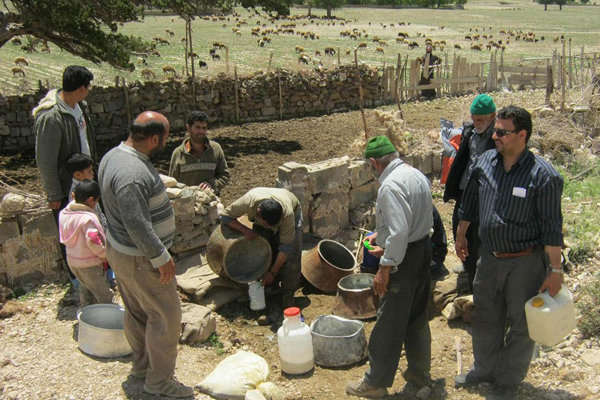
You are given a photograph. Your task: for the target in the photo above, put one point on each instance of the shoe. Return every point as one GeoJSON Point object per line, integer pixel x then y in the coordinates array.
{"type": "Point", "coordinates": [438, 274]}
{"type": "Point", "coordinates": [415, 380]}
{"type": "Point", "coordinates": [467, 380]}
{"type": "Point", "coordinates": [137, 373]}
{"type": "Point", "coordinates": [361, 388]}
{"type": "Point", "coordinates": [170, 388]}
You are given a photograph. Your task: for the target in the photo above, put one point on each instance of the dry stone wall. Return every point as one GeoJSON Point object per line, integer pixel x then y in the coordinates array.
{"type": "Point", "coordinates": [260, 97]}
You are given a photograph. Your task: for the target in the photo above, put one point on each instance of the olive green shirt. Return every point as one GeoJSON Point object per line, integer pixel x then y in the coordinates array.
{"type": "Point", "coordinates": [210, 166]}
{"type": "Point", "coordinates": [248, 204]}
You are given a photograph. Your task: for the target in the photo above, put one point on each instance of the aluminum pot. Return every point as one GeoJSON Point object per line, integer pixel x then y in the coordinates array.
{"type": "Point", "coordinates": [101, 332]}
{"type": "Point", "coordinates": [326, 264]}
{"type": "Point", "coordinates": [231, 256]}
{"type": "Point", "coordinates": [355, 297]}
{"type": "Point", "coordinates": [338, 341]}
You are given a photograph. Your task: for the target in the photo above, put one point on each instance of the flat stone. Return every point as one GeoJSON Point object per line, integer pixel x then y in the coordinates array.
{"type": "Point", "coordinates": [9, 230]}
{"type": "Point", "coordinates": [591, 357]}
{"type": "Point", "coordinates": [329, 175]}
{"type": "Point", "coordinates": [45, 223]}
{"type": "Point", "coordinates": [363, 194]}
{"type": "Point", "coordinates": [360, 173]}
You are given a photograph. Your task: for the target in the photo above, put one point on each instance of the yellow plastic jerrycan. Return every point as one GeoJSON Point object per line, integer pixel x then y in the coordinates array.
{"type": "Point", "coordinates": [550, 319]}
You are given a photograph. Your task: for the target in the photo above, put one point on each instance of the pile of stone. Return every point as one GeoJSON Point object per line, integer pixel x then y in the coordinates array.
{"type": "Point", "coordinates": [196, 215]}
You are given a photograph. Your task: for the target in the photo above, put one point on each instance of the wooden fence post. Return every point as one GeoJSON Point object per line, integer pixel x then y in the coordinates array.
{"type": "Point", "coordinates": [360, 96]}
{"type": "Point", "coordinates": [227, 60]}
{"type": "Point", "coordinates": [237, 99]}
{"type": "Point", "coordinates": [270, 59]}
{"type": "Point", "coordinates": [191, 47]}
{"type": "Point", "coordinates": [549, 82]}
{"type": "Point", "coordinates": [563, 79]}
{"type": "Point", "coordinates": [280, 94]}
{"type": "Point", "coordinates": [570, 66]}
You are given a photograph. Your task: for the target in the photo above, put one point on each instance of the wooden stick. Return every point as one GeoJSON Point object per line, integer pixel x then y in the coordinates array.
{"type": "Point", "coordinates": [570, 66]}
{"type": "Point", "coordinates": [237, 100]}
{"type": "Point", "coordinates": [187, 41]}
{"type": "Point", "coordinates": [192, 62]}
{"type": "Point", "coordinates": [270, 59]}
{"type": "Point", "coordinates": [280, 94]}
{"type": "Point", "coordinates": [563, 79]}
{"type": "Point", "coordinates": [360, 95]}
{"type": "Point", "coordinates": [457, 346]}
{"type": "Point", "coordinates": [227, 60]}
{"type": "Point", "coordinates": [127, 106]}
{"type": "Point", "coordinates": [338, 54]}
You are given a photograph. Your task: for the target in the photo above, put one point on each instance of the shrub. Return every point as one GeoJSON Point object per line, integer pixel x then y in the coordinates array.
{"type": "Point", "coordinates": [589, 307]}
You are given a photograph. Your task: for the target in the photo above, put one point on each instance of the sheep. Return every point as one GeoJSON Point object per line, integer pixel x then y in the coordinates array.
{"type": "Point", "coordinates": [169, 70]}
{"type": "Point", "coordinates": [383, 43]}
{"type": "Point", "coordinates": [261, 42]}
{"type": "Point", "coordinates": [362, 46]}
{"type": "Point", "coordinates": [215, 57]}
{"type": "Point", "coordinates": [476, 46]}
{"type": "Point", "coordinates": [202, 64]}
{"type": "Point", "coordinates": [329, 51]}
{"type": "Point", "coordinates": [413, 45]}
{"type": "Point", "coordinates": [155, 53]}
{"type": "Point", "coordinates": [169, 32]}
{"type": "Point", "coordinates": [147, 73]}
{"type": "Point", "coordinates": [299, 49]}
{"type": "Point", "coordinates": [379, 49]}
{"type": "Point", "coordinates": [193, 55]}
{"type": "Point", "coordinates": [16, 42]}
{"type": "Point", "coordinates": [317, 52]}
{"type": "Point", "coordinates": [303, 59]}
{"type": "Point", "coordinates": [18, 71]}
{"type": "Point", "coordinates": [457, 46]}
{"type": "Point", "coordinates": [21, 61]}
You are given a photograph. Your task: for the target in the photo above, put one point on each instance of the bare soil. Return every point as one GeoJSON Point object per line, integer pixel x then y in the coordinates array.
{"type": "Point", "coordinates": [39, 358]}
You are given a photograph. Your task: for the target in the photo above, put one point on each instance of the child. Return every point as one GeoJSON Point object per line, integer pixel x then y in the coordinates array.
{"type": "Point", "coordinates": [82, 234]}
{"type": "Point", "coordinates": [81, 166]}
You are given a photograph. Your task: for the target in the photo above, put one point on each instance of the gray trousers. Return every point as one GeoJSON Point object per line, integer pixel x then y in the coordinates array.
{"type": "Point", "coordinates": [403, 321]}
{"type": "Point", "coordinates": [93, 287]}
{"type": "Point", "coordinates": [152, 315]}
{"type": "Point", "coordinates": [501, 288]}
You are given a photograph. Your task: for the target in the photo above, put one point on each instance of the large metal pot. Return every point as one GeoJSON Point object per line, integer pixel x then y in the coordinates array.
{"type": "Point", "coordinates": [338, 341]}
{"type": "Point", "coordinates": [231, 256]}
{"type": "Point", "coordinates": [326, 264]}
{"type": "Point", "coordinates": [101, 332]}
{"type": "Point", "coordinates": [355, 297]}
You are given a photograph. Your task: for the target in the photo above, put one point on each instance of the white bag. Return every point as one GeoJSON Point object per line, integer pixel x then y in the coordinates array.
{"type": "Point", "coordinates": [235, 375]}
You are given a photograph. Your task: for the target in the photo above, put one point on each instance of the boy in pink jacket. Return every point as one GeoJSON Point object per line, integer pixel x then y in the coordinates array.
{"type": "Point", "coordinates": [82, 234]}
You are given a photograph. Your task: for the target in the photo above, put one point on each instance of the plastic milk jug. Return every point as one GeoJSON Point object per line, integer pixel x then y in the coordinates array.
{"type": "Point", "coordinates": [295, 343]}
{"type": "Point", "coordinates": [550, 319]}
{"type": "Point", "coordinates": [256, 292]}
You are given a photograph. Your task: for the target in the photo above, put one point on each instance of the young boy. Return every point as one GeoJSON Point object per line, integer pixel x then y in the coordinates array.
{"type": "Point", "coordinates": [81, 166]}
{"type": "Point", "coordinates": [82, 234]}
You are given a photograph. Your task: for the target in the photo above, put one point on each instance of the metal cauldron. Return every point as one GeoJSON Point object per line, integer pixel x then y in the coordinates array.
{"type": "Point", "coordinates": [101, 331]}
{"type": "Point", "coordinates": [326, 264]}
{"type": "Point", "coordinates": [338, 341]}
{"type": "Point", "coordinates": [231, 256]}
{"type": "Point", "coordinates": [355, 297]}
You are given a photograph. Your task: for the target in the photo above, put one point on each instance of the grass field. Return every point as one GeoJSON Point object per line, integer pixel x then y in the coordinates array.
{"type": "Point", "coordinates": [579, 23]}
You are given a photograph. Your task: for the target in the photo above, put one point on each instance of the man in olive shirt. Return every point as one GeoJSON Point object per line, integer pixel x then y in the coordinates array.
{"type": "Point", "coordinates": [199, 161]}
{"type": "Point", "coordinates": [277, 216]}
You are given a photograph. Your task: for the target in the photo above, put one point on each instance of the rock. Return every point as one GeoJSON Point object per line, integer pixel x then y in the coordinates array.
{"type": "Point", "coordinates": [169, 182]}
{"type": "Point", "coordinates": [271, 391]}
{"type": "Point", "coordinates": [12, 203]}
{"type": "Point", "coordinates": [591, 357]}
{"type": "Point", "coordinates": [570, 375]}
{"type": "Point", "coordinates": [174, 193]}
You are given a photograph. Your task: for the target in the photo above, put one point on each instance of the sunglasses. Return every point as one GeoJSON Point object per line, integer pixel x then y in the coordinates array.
{"type": "Point", "coordinates": [503, 132]}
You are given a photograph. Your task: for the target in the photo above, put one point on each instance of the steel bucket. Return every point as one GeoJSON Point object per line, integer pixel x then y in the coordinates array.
{"type": "Point", "coordinates": [338, 341]}
{"type": "Point", "coordinates": [355, 297]}
{"type": "Point", "coordinates": [101, 332]}
{"type": "Point", "coordinates": [231, 256]}
{"type": "Point", "coordinates": [324, 265]}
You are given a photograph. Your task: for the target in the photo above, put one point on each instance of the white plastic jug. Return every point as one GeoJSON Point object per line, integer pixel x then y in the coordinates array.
{"type": "Point", "coordinates": [550, 319]}
{"type": "Point", "coordinates": [295, 343]}
{"type": "Point", "coordinates": [256, 292]}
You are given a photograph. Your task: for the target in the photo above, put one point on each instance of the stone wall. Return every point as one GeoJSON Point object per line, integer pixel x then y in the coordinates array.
{"type": "Point", "coordinates": [259, 99]}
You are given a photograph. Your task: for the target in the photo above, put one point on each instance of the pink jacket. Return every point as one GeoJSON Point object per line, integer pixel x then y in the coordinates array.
{"type": "Point", "coordinates": [80, 231]}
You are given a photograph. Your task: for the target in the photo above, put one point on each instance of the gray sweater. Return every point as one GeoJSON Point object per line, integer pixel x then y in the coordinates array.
{"type": "Point", "coordinates": [140, 217]}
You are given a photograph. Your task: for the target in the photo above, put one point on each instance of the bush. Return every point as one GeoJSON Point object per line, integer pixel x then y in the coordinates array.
{"type": "Point", "coordinates": [589, 307]}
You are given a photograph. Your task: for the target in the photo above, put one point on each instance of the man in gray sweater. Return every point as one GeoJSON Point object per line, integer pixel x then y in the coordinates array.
{"type": "Point", "coordinates": [141, 226]}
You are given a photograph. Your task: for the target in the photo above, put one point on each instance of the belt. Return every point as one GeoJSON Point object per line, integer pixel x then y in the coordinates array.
{"type": "Point", "coordinates": [515, 254]}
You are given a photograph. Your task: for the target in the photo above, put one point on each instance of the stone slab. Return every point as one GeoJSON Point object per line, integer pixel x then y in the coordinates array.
{"type": "Point", "coordinates": [360, 173]}
{"type": "Point", "coordinates": [363, 194]}
{"type": "Point", "coordinates": [9, 230]}
{"type": "Point", "coordinates": [45, 223]}
{"type": "Point", "coordinates": [329, 175]}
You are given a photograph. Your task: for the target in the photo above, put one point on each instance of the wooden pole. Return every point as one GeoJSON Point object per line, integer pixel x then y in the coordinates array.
{"type": "Point", "coordinates": [581, 68]}
{"type": "Point", "coordinates": [549, 82]}
{"type": "Point", "coordinates": [338, 54]}
{"type": "Point", "coordinates": [117, 81]}
{"type": "Point", "coordinates": [280, 93]}
{"type": "Point", "coordinates": [127, 105]}
{"type": "Point", "coordinates": [191, 47]}
{"type": "Point", "coordinates": [360, 96]}
{"type": "Point", "coordinates": [237, 100]}
{"type": "Point", "coordinates": [570, 66]}
{"type": "Point", "coordinates": [227, 60]}
{"type": "Point", "coordinates": [563, 79]}
{"type": "Point", "coordinates": [187, 41]}
{"type": "Point", "coordinates": [397, 84]}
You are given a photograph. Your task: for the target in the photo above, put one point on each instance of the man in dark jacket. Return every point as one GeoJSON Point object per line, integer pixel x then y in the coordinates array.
{"type": "Point", "coordinates": [476, 139]}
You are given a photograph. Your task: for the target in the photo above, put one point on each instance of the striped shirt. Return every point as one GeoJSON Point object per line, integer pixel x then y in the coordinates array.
{"type": "Point", "coordinates": [517, 209]}
{"type": "Point", "coordinates": [140, 217]}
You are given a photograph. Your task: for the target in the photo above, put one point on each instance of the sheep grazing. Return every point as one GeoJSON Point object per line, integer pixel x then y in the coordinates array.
{"type": "Point", "coordinates": [193, 55]}
{"type": "Point", "coordinates": [317, 52]}
{"type": "Point", "coordinates": [155, 53]}
{"type": "Point", "coordinates": [476, 47]}
{"type": "Point", "coordinates": [169, 70]}
{"type": "Point", "coordinates": [261, 43]}
{"type": "Point", "coordinates": [362, 46]}
{"type": "Point", "coordinates": [413, 45]}
{"type": "Point", "coordinates": [383, 43]}
{"type": "Point", "coordinates": [303, 59]}
{"type": "Point", "coordinates": [299, 49]}
{"type": "Point", "coordinates": [21, 61]}
{"type": "Point", "coordinates": [457, 46]}
{"type": "Point", "coordinates": [169, 32]}
{"type": "Point", "coordinates": [147, 73]}
{"type": "Point", "coordinates": [379, 49]}
{"type": "Point", "coordinates": [202, 64]}
{"type": "Point", "coordinates": [329, 51]}
{"type": "Point", "coordinates": [18, 71]}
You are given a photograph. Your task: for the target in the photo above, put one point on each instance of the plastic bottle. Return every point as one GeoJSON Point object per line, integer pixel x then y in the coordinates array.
{"type": "Point", "coordinates": [256, 292]}
{"type": "Point", "coordinates": [295, 343]}
{"type": "Point", "coordinates": [550, 319]}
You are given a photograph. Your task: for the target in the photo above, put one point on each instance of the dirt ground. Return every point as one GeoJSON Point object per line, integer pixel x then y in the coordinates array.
{"type": "Point", "coordinates": [39, 358]}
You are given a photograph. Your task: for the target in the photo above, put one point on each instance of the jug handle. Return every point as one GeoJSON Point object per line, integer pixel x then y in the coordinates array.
{"type": "Point", "coordinates": [284, 326]}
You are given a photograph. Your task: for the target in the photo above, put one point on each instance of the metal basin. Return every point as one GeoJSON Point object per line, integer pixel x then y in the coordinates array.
{"type": "Point", "coordinates": [355, 297]}
{"type": "Point", "coordinates": [326, 264]}
{"type": "Point", "coordinates": [338, 341]}
{"type": "Point", "coordinates": [101, 332]}
{"type": "Point", "coordinates": [230, 255]}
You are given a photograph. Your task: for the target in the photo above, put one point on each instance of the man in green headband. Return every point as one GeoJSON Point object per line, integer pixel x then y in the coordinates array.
{"type": "Point", "coordinates": [476, 139]}
{"type": "Point", "coordinates": [401, 241]}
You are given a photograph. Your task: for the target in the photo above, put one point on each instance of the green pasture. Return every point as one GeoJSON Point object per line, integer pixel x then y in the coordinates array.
{"type": "Point", "coordinates": [578, 23]}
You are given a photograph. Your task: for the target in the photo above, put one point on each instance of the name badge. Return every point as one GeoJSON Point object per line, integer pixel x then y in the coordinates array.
{"type": "Point", "coordinates": [519, 192]}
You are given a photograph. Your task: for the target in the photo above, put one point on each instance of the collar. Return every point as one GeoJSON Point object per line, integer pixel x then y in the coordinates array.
{"type": "Point", "coordinates": [188, 146]}
{"type": "Point", "coordinates": [74, 206]}
{"type": "Point", "coordinates": [134, 152]}
{"type": "Point", "coordinates": [390, 167]}
{"type": "Point", "coordinates": [524, 157]}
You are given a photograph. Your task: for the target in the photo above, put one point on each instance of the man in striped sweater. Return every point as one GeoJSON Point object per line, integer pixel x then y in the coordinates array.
{"type": "Point", "coordinates": [141, 226]}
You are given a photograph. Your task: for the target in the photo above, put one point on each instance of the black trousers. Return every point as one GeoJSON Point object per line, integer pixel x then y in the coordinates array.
{"type": "Point", "coordinates": [473, 241]}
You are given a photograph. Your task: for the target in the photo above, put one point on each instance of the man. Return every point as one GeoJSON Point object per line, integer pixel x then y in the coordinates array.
{"type": "Point", "coordinates": [277, 216]}
{"type": "Point", "coordinates": [141, 226]}
{"type": "Point", "coordinates": [62, 128]}
{"type": "Point", "coordinates": [515, 195]}
{"type": "Point", "coordinates": [401, 239]}
{"type": "Point", "coordinates": [199, 161]}
{"type": "Point", "coordinates": [476, 139]}
{"type": "Point", "coordinates": [428, 64]}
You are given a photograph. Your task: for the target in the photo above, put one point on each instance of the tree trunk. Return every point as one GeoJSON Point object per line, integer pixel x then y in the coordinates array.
{"type": "Point", "coordinates": [328, 12]}
{"type": "Point", "coordinates": [545, 6]}
{"type": "Point", "coordinates": [560, 7]}
{"type": "Point", "coordinates": [309, 9]}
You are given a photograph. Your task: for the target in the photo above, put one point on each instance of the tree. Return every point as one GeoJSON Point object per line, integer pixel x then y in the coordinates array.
{"type": "Point", "coordinates": [89, 29]}
{"type": "Point", "coordinates": [328, 5]}
{"type": "Point", "coordinates": [545, 3]}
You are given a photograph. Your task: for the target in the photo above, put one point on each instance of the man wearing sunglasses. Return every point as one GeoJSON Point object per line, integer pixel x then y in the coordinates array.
{"type": "Point", "coordinates": [476, 139]}
{"type": "Point", "coordinates": [516, 196]}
